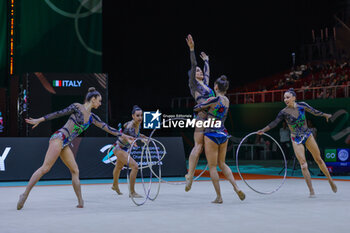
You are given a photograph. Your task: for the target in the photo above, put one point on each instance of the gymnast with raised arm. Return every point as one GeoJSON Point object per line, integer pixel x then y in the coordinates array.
{"type": "Point", "coordinates": [200, 90]}
{"type": "Point", "coordinates": [80, 118]}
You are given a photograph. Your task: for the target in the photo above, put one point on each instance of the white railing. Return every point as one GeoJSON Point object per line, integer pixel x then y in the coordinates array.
{"type": "Point", "coordinates": [341, 91]}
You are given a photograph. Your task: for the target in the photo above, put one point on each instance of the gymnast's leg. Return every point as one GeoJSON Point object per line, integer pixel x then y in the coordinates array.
{"type": "Point", "coordinates": [54, 150]}
{"type": "Point", "coordinates": [211, 152]}
{"type": "Point", "coordinates": [299, 151]}
{"type": "Point", "coordinates": [312, 146]}
{"type": "Point", "coordinates": [68, 159]}
{"type": "Point", "coordinates": [116, 173]}
{"type": "Point", "coordinates": [227, 171]}
{"type": "Point", "coordinates": [194, 157]}
{"type": "Point", "coordinates": [123, 158]}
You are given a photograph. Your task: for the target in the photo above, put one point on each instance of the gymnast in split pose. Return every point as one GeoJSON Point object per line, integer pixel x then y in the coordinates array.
{"type": "Point", "coordinates": [294, 115]}
{"type": "Point", "coordinates": [200, 90]}
{"type": "Point", "coordinates": [80, 118]}
{"type": "Point", "coordinates": [131, 128]}
{"type": "Point", "coordinates": [215, 138]}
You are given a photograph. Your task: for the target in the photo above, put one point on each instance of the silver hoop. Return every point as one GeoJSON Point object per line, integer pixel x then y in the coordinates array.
{"type": "Point", "coordinates": [285, 165]}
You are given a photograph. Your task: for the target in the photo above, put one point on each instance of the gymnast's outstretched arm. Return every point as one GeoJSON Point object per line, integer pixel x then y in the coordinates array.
{"type": "Point", "coordinates": [206, 69]}
{"type": "Point", "coordinates": [64, 112]}
{"type": "Point", "coordinates": [132, 132]}
{"type": "Point", "coordinates": [99, 123]}
{"type": "Point", "coordinates": [273, 124]}
{"type": "Point", "coordinates": [192, 72]}
{"type": "Point", "coordinates": [313, 111]}
{"type": "Point", "coordinates": [143, 136]}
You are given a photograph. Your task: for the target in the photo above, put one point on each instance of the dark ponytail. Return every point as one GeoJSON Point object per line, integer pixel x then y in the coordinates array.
{"type": "Point", "coordinates": [92, 92]}
{"type": "Point", "coordinates": [222, 83]}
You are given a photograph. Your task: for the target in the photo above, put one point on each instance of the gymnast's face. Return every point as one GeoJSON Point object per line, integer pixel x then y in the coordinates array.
{"type": "Point", "coordinates": [216, 88]}
{"type": "Point", "coordinates": [96, 101]}
{"type": "Point", "coordinates": [289, 99]}
{"type": "Point", "coordinates": [137, 116]}
{"type": "Point", "coordinates": [199, 73]}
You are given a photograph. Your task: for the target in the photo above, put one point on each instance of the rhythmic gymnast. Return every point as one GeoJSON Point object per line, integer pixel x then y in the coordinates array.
{"type": "Point", "coordinates": [294, 115]}
{"type": "Point", "coordinates": [198, 83]}
{"type": "Point", "coordinates": [80, 119]}
{"type": "Point", "coordinates": [131, 128]}
{"type": "Point", "coordinates": [215, 139]}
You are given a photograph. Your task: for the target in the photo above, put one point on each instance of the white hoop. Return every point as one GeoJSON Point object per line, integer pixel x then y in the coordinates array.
{"type": "Point", "coordinates": [149, 161]}
{"type": "Point", "coordinates": [285, 164]}
{"type": "Point", "coordinates": [145, 148]}
{"type": "Point", "coordinates": [128, 175]}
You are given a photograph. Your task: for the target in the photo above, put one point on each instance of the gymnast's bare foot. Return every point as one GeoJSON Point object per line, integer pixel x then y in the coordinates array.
{"type": "Point", "coordinates": [80, 204]}
{"type": "Point", "coordinates": [333, 186]}
{"type": "Point", "coordinates": [21, 201]}
{"type": "Point", "coordinates": [117, 190]}
{"type": "Point", "coordinates": [218, 200]}
{"type": "Point", "coordinates": [240, 194]}
{"type": "Point", "coordinates": [188, 182]}
{"type": "Point", "coordinates": [135, 195]}
{"type": "Point", "coordinates": [312, 194]}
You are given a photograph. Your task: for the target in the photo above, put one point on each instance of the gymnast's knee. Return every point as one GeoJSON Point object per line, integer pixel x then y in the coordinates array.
{"type": "Point", "coordinates": [75, 171]}
{"type": "Point", "coordinates": [134, 166]}
{"type": "Point", "coordinates": [303, 165]}
{"type": "Point", "coordinates": [119, 166]}
{"type": "Point", "coordinates": [318, 158]}
{"type": "Point", "coordinates": [197, 149]}
{"type": "Point", "coordinates": [221, 165]}
{"type": "Point", "coordinates": [45, 169]}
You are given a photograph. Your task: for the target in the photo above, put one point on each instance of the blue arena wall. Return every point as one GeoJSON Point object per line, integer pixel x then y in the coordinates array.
{"type": "Point", "coordinates": [20, 157]}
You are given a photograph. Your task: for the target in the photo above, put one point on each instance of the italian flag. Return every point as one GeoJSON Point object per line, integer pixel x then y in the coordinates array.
{"type": "Point", "coordinates": [57, 83]}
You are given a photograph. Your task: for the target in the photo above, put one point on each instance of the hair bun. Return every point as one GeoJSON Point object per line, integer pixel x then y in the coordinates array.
{"type": "Point", "coordinates": [223, 77]}
{"type": "Point", "coordinates": [135, 108]}
{"type": "Point", "coordinates": [222, 83]}
{"type": "Point", "coordinates": [291, 90]}
{"type": "Point", "coordinates": [91, 89]}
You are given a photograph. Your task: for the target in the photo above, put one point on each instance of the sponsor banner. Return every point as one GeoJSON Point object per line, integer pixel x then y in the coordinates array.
{"type": "Point", "coordinates": [20, 157]}
{"type": "Point", "coordinates": [338, 160]}
{"type": "Point", "coordinates": [343, 155]}
{"type": "Point", "coordinates": [330, 155]}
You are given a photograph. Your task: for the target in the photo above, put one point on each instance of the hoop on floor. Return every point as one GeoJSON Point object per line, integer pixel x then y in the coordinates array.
{"type": "Point", "coordinates": [285, 164]}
